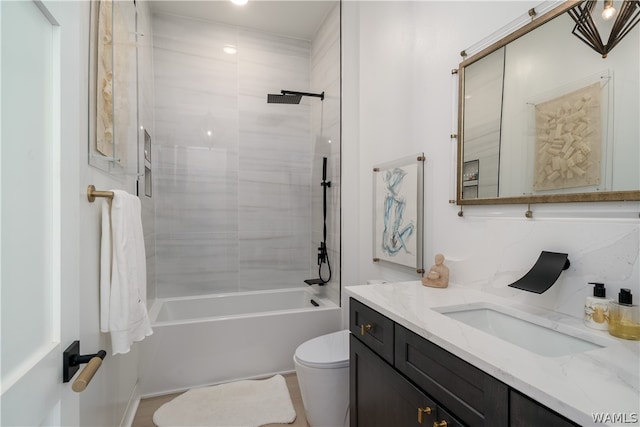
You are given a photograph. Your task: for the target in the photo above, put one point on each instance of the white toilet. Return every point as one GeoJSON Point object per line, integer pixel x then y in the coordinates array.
{"type": "Point", "coordinates": [322, 367]}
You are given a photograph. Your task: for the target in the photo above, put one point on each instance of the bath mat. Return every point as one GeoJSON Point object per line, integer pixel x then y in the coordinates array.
{"type": "Point", "coordinates": [247, 403]}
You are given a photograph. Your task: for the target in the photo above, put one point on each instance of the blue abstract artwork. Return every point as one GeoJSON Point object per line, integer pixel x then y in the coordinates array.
{"type": "Point", "coordinates": [397, 229]}
{"type": "Point", "coordinates": [397, 206]}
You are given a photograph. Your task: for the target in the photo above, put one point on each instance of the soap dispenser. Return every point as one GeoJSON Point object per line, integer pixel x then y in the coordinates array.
{"type": "Point", "coordinates": [624, 321]}
{"type": "Point", "coordinates": [596, 308]}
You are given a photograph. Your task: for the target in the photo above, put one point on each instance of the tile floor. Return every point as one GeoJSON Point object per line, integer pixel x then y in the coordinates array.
{"type": "Point", "coordinates": [144, 415]}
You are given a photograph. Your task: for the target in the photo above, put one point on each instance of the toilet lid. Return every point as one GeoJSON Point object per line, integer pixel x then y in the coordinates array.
{"type": "Point", "coordinates": [326, 351]}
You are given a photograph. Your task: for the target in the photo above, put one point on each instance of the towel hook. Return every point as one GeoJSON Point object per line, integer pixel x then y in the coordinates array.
{"type": "Point", "coordinates": [92, 193]}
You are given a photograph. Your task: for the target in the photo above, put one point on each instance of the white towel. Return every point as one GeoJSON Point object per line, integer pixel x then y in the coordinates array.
{"type": "Point", "coordinates": [123, 273]}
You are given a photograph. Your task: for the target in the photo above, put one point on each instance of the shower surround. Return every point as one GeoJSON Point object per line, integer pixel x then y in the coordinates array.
{"type": "Point", "coordinates": [233, 173]}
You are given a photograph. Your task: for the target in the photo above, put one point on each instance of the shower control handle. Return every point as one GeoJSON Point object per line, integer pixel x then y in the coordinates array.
{"type": "Point", "coordinates": [322, 253]}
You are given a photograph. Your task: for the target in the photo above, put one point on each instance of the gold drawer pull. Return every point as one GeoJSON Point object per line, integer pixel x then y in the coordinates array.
{"type": "Point", "coordinates": [442, 423]}
{"type": "Point", "coordinates": [365, 328]}
{"type": "Point", "coordinates": [426, 410]}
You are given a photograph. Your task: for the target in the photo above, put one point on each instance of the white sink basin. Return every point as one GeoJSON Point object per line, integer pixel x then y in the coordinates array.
{"type": "Point", "coordinates": [528, 334]}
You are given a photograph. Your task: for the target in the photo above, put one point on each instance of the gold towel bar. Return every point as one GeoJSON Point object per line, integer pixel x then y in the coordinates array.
{"type": "Point", "coordinates": [92, 193]}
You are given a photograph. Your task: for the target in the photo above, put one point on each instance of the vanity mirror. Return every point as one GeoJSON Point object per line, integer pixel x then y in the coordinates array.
{"type": "Point", "coordinates": [545, 118]}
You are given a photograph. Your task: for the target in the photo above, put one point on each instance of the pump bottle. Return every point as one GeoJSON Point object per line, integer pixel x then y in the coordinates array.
{"type": "Point", "coordinates": [596, 308]}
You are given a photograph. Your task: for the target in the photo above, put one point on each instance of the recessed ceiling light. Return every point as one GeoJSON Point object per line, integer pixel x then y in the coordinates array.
{"type": "Point", "coordinates": [230, 49]}
{"type": "Point", "coordinates": [239, 2]}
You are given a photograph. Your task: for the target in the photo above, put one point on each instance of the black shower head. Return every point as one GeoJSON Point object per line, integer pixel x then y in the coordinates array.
{"type": "Point", "coordinates": [290, 97]}
{"type": "Point", "coordinates": [283, 99]}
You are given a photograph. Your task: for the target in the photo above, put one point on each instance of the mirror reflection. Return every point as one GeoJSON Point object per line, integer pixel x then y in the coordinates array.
{"type": "Point", "coordinates": [544, 118]}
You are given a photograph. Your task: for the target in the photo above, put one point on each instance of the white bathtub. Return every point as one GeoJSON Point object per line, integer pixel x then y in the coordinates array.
{"type": "Point", "coordinates": [211, 339]}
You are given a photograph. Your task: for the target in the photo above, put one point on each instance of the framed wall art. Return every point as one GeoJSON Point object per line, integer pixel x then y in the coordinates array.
{"type": "Point", "coordinates": [398, 212]}
{"type": "Point", "coordinates": [569, 140]}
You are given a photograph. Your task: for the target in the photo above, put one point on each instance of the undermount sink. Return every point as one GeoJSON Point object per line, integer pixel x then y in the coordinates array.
{"type": "Point", "coordinates": [527, 334]}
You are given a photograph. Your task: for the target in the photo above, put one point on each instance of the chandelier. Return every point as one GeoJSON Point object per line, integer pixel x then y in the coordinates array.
{"type": "Point", "coordinates": [587, 23]}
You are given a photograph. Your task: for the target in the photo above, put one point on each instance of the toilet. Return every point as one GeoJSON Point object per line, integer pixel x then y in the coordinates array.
{"type": "Point", "coordinates": [322, 367]}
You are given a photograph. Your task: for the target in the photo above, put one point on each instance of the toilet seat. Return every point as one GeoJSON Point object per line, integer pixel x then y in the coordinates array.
{"type": "Point", "coordinates": [325, 352]}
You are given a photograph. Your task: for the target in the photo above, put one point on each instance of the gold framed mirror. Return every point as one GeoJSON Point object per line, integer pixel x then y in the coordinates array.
{"type": "Point", "coordinates": [543, 118]}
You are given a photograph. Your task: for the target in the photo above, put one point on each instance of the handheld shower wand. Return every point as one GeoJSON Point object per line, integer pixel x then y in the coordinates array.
{"type": "Point", "coordinates": [323, 255]}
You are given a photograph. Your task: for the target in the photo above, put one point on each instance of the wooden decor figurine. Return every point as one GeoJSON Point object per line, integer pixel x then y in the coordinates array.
{"type": "Point", "coordinates": [438, 276]}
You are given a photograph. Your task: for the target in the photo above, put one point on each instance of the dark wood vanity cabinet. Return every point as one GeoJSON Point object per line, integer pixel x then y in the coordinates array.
{"type": "Point", "coordinates": [525, 412]}
{"type": "Point", "coordinates": [398, 378]}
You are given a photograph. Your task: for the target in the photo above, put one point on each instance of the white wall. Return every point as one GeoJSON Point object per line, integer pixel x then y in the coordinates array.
{"type": "Point", "coordinates": [398, 99]}
{"type": "Point", "coordinates": [109, 398]}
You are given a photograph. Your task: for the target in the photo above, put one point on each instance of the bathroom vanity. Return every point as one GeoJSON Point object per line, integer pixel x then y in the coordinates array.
{"type": "Point", "coordinates": [412, 363]}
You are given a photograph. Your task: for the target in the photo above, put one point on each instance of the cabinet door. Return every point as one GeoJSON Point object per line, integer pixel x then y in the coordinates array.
{"type": "Point", "coordinates": [381, 397]}
{"type": "Point", "coordinates": [525, 412]}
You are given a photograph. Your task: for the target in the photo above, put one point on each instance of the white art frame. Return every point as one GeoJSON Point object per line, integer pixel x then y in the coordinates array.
{"type": "Point", "coordinates": [398, 195]}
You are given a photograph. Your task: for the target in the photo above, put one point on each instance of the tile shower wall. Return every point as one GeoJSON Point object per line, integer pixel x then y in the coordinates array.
{"type": "Point", "coordinates": [325, 76]}
{"type": "Point", "coordinates": [233, 172]}
{"type": "Point", "coordinates": [146, 122]}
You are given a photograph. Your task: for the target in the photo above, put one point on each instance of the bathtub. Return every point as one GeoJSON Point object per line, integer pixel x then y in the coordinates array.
{"type": "Point", "coordinates": [211, 339]}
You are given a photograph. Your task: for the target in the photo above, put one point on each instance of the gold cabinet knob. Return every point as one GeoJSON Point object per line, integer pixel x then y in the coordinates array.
{"type": "Point", "coordinates": [365, 328]}
{"type": "Point", "coordinates": [425, 410]}
{"type": "Point", "coordinates": [442, 423]}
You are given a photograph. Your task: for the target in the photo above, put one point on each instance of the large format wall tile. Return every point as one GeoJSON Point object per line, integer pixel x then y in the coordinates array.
{"type": "Point", "coordinates": [272, 260]}
{"type": "Point", "coordinates": [197, 263]}
{"type": "Point", "coordinates": [233, 172]}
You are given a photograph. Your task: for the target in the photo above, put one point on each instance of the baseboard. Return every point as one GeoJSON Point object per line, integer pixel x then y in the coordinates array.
{"type": "Point", "coordinates": [132, 407]}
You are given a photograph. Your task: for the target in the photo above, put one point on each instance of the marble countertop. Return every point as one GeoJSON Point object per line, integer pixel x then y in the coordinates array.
{"type": "Point", "coordinates": [601, 381]}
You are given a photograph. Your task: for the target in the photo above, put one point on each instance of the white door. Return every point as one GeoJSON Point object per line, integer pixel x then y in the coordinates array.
{"type": "Point", "coordinates": [34, 252]}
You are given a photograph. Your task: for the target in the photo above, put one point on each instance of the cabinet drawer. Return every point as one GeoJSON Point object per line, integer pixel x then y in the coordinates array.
{"type": "Point", "coordinates": [475, 398]}
{"type": "Point", "coordinates": [524, 412]}
{"type": "Point", "coordinates": [372, 328]}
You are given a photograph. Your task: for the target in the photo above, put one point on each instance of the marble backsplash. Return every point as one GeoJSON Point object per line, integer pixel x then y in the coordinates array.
{"type": "Point", "coordinates": [500, 251]}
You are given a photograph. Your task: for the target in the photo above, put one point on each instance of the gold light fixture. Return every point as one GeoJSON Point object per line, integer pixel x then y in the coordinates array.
{"type": "Point", "coordinates": [586, 28]}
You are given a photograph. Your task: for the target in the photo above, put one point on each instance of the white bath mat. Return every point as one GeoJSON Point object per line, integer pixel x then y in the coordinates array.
{"type": "Point", "coordinates": [248, 403]}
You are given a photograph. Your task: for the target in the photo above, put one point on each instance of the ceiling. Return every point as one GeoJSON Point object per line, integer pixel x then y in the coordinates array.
{"type": "Point", "coordinates": [300, 19]}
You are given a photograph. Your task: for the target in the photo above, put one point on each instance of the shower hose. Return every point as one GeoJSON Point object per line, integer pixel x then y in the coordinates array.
{"type": "Point", "coordinates": [323, 255]}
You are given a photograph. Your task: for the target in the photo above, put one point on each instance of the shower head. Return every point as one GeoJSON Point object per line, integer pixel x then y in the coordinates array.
{"type": "Point", "coordinates": [290, 97]}
{"type": "Point", "coordinates": [283, 99]}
